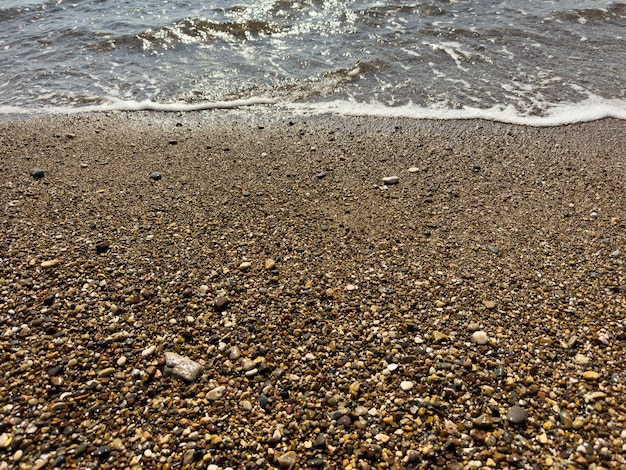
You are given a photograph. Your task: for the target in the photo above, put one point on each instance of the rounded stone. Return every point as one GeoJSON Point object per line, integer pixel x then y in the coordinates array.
{"type": "Point", "coordinates": [406, 385]}
{"type": "Point", "coordinates": [156, 176]}
{"type": "Point", "coordinates": [517, 415]}
{"type": "Point", "coordinates": [480, 337]}
{"type": "Point", "coordinates": [221, 303]}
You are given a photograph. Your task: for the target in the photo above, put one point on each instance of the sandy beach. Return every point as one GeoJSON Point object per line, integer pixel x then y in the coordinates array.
{"type": "Point", "coordinates": [239, 289]}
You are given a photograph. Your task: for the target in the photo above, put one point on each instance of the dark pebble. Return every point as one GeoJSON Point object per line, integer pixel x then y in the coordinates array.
{"type": "Point", "coordinates": [344, 421]}
{"type": "Point", "coordinates": [102, 247]}
{"type": "Point", "coordinates": [59, 461]}
{"type": "Point", "coordinates": [102, 452]}
{"type": "Point", "coordinates": [320, 175]}
{"type": "Point", "coordinates": [49, 299]}
{"type": "Point", "coordinates": [37, 173]}
{"type": "Point", "coordinates": [221, 303]}
{"type": "Point", "coordinates": [320, 442]}
{"type": "Point", "coordinates": [56, 370]}
{"type": "Point", "coordinates": [263, 400]}
{"type": "Point", "coordinates": [155, 176]}
{"type": "Point", "coordinates": [315, 463]}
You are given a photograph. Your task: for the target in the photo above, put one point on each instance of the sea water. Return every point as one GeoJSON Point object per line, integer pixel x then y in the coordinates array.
{"type": "Point", "coordinates": [533, 62]}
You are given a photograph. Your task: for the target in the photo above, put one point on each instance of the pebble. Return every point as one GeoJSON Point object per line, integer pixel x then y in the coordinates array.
{"type": "Point", "coordinates": [102, 247]}
{"type": "Point", "coordinates": [413, 169]}
{"type": "Point", "coordinates": [391, 180]}
{"type": "Point", "coordinates": [591, 375]}
{"type": "Point", "coordinates": [121, 361]}
{"type": "Point", "coordinates": [245, 266]}
{"type": "Point", "coordinates": [439, 337]}
{"type": "Point", "coordinates": [406, 385]}
{"type": "Point", "coordinates": [288, 459]}
{"type": "Point", "coordinates": [156, 176]}
{"type": "Point", "coordinates": [517, 415]}
{"type": "Point", "coordinates": [106, 372]}
{"type": "Point", "coordinates": [581, 359]}
{"type": "Point", "coordinates": [102, 452]}
{"type": "Point", "coordinates": [37, 173]}
{"type": "Point", "coordinates": [270, 264]}
{"type": "Point", "coordinates": [216, 393]}
{"type": "Point", "coordinates": [50, 263]}
{"type": "Point", "coordinates": [221, 303]}
{"type": "Point", "coordinates": [489, 304]}
{"type": "Point", "coordinates": [182, 367]}
{"type": "Point", "coordinates": [148, 351]}
{"type": "Point", "coordinates": [480, 337]}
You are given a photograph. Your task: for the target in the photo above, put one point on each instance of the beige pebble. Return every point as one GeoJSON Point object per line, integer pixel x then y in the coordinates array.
{"type": "Point", "coordinates": [591, 375]}
{"type": "Point", "coordinates": [51, 263]}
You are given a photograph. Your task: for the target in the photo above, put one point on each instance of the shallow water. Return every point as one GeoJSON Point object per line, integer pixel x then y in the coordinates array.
{"type": "Point", "coordinates": [541, 62]}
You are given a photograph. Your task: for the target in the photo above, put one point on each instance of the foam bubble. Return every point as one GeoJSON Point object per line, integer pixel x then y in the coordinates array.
{"type": "Point", "coordinates": [591, 109]}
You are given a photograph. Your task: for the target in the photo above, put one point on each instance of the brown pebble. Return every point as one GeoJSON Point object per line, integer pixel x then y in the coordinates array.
{"type": "Point", "coordinates": [221, 303]}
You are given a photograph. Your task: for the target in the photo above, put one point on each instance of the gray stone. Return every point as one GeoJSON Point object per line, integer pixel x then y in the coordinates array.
{"type": "Point", "coordinates": [182, 367]}
{"type": "Point", "coordinates": [156, 176]}
{"type": "Point", "coordinates": [37, 173]}
{"type": "Point", "coordinates": [517, 415]}
{"type": "Point", "coordinates": [216, 393]}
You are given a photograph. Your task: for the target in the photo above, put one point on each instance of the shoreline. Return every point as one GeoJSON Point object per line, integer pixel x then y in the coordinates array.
{"type": "Point", "coordinates": [354, 312]}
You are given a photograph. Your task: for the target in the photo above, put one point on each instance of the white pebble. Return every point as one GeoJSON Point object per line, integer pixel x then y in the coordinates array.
{"type": "Point", "coordinates": [148, 351]}
{"type": "Point", "coordinates": [406, 385]}
{"type": "Point", "coordinates": [480, 337]}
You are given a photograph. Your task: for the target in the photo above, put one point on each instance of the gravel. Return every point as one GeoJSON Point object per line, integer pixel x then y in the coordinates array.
{"type": "Point", "coordinates": [356, 345]}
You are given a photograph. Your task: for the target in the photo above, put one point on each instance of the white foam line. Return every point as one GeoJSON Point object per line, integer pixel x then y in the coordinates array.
{"type": "Point", "coordinates": [591, 109]}
{"type": "Point", "coordinates": [147, 105]}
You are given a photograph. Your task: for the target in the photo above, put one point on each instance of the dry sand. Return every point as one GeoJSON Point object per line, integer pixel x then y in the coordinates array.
{"type": "Point", "coordinates": [350, 314]}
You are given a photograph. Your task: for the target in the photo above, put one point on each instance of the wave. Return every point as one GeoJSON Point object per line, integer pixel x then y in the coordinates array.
{"type": "Point", "coordinates": [593, 108]}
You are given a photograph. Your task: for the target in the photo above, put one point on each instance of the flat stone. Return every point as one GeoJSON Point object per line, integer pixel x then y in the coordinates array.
{"type": "Point", "coordinates": [106, 372]}
{"type": "Point", "coordinates": [439, 337]}
{"type": "Point", "coordinates": [517, 415]}
{"type": "Point", "coordinates": [391, 180]}
{"type": "Point", "coordinates": [102, 247]}
{"type": "Point", "coordinates": [37, 173]}
{"type": "Point", "coordinates": [182, 367]}
{"type": "Point", "coordinates": [591, 375]}
{"type": "Point", "coordinates": [413, 169]}
{"type": "Point", "coordinates": [581, 359]}
{"type": "Point", "coordinates": [490, 304]}
{"type": "Point", "coordinates": [217, 393]}
{"type": "Point", "coordinates": [480, 337]}
{"type": "Point", "coordinates": [287, 459]}
{"type": "Point", "coordinates": [50, 263]}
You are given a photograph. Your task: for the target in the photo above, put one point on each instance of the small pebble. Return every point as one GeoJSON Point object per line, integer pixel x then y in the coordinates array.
{"type": "Point", "coordinates": [388, 180]}
{"type": "Point", "coordinates": [216, 393]}
{"type": "Point", "coordinates": [37, 173]}
{"type": "Point", "coordinates": [221, 303]}
{"type": "Point", "coordinates": [406, 385]}
{"type": "Point", "coordinates": [288, 459]}
{"type": "Point", "coordinates": [413, 169]}
{"type": "Point", "coordinates": [155, 176]}
{"type": "Point", "coordinates": [480, 337]}
{"type": "Point", "coordinates": [517, 415]}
